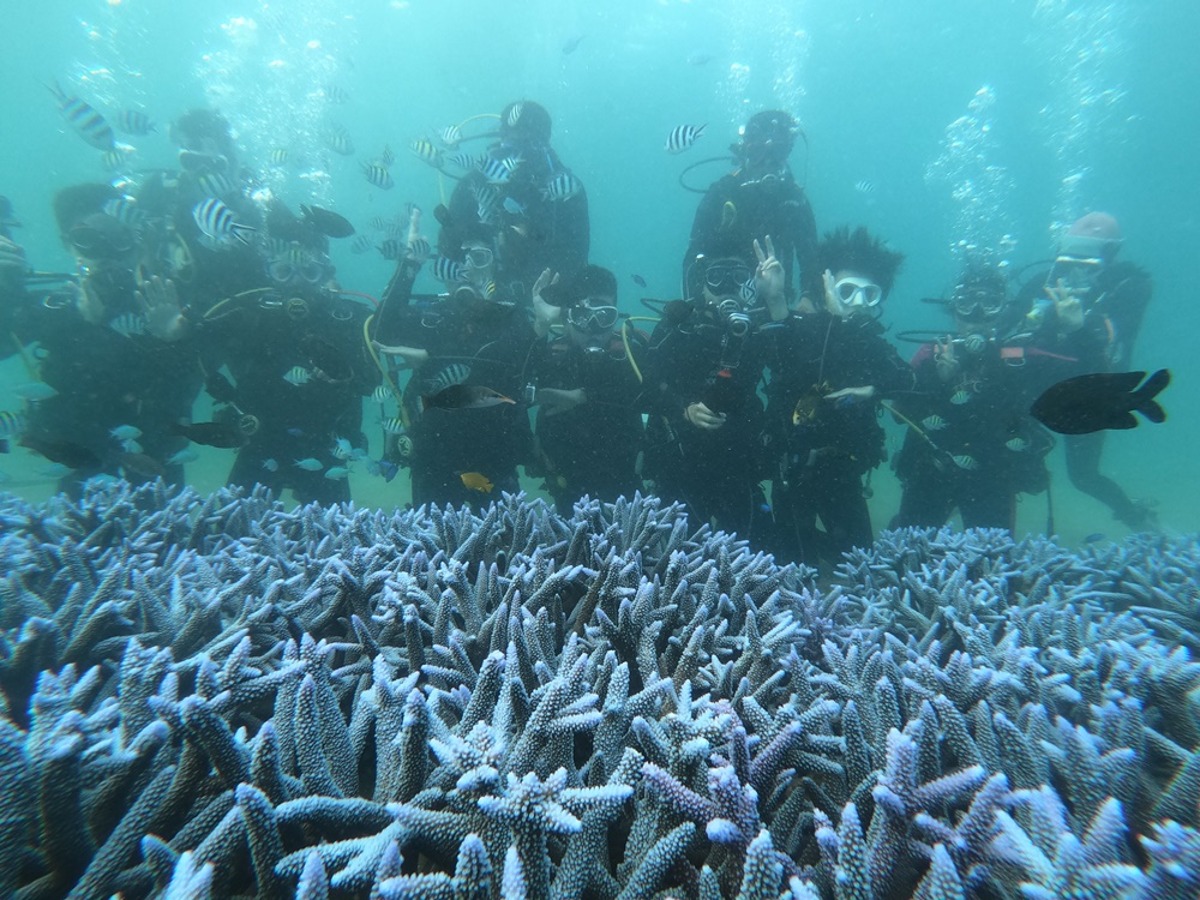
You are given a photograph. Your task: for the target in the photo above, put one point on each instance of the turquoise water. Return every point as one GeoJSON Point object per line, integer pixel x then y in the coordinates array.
{"type": "Point", "coordinates": [930, 122]}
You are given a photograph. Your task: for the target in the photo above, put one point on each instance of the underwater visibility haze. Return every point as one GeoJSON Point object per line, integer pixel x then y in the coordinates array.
{"type": "Point", "coordinates": [212, 691]}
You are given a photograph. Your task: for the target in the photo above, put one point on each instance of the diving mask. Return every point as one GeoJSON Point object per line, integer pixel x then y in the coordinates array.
{"type": "Point", "coordinates": [855, 293]}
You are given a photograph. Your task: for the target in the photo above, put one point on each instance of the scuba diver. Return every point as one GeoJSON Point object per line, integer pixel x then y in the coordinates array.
{"type": "Point", "coordinates": [704, 441]}
{"type": "Point", "coordinates": [463, 425]}
{"type": "Point", "coordinates": [206, 268]}
{"type": "Point", "coordinates": [971, 443]}
{"type": "Point", "coordinates": [761, 196]}
{"type": "Point", "coordinates": [108, 361]}
{"type": "Point", "coordinates": [585, 382]}
{"type": "Point", "coordinates": [830, 372]}
{"type": "Point", "coordinates": [1090, 306]}
{"type": "Point", "coordinates": [300, 368]}
{"type": "Point", "coordinates": [536, 205]}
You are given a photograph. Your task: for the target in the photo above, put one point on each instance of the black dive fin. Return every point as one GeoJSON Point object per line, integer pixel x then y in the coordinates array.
{"type": "Point", "coordinates": [1144, 397]}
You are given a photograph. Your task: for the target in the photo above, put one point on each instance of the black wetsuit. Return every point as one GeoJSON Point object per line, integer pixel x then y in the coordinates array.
{"type": "Point", "coordinates": [1114, 309]}
{"type": "Point", "coordinates": [261, 339]}
{"type": "Point", "coordinates": [593, 448]}
{"type": "Point", "coordinates": [983, 448]}
{"type": "Point", "coordinates": [473, 342]}
{"type": "Point", "coordinates": [534, 231]}
{"type": "Point", "coordinates": [106, 376]}
{"type": "Point", "coordinates": [736, 210]}
{"type": "Point", "coordinates": [696, 356]}
{"type": "Point", "coordinates": [824, 447]}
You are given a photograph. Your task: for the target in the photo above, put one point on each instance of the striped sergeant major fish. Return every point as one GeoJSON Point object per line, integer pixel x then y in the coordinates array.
{"type": "Point", "coordinates": [338, 140]}
{"type": "Point", "coordinates": [218, 222]}
{"type": "Point", "coordinates": [378, 175]}
{"type": "Point", "coordinates": [500, 171]}
{"type": "Point", "coordinates": [563, 186]}
{"type": "Point", "coordinates": [134, 121]}
{"type": "Point", "coordinates": [89, 124]}
{"type": "Point", "coordinates": [424, 150]}
{"type": "Point", "coordinates": [683, 136]}
{"type": "Point", "coordinates": [447, 270]}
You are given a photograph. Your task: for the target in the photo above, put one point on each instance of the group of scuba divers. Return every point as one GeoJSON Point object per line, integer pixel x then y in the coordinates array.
{"type": "Point", "coordinates": [773, 372]}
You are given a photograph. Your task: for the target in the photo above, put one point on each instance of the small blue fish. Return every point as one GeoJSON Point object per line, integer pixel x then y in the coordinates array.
{"type": "Point", "coordinates": [34, 391]}
{"type": "Point", "coordinates": [270, 465]}
{"type": "Point", "coordinates": [512, 207]}
{"type": "Point", "coordinates": [309, 464]}
{"type": "Point", "coordinates": [1094, 537]}
{"type": "Point", "coordinates": [186, 455]}
{"type": "Point", "coordinates": [337, 473]}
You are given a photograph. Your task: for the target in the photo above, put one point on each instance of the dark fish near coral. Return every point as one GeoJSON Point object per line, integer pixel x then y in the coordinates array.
{"type": "Point", "coordinates": [225, 435]}
{"type": "Point", "coordinates": [141, 464]}
{"type": "Point", "coordinates": [327, 222]}
{"type": "Point", "coordinates": [638, 280]}
{"type": "Point", "coordinates": [67, 453]}
{"type": "Point", "coordinates": [571, 44]}
{"type": "Point", "coordinates": [464, 396]}
{"type": "Point", "coordinates": [1104, 400]}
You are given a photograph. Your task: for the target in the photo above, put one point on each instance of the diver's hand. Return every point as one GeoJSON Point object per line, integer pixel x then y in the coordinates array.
{"type": "Point", "coordinates": [833, 304]}
{"type": "Point", "coordinates": [851, 395]}
{"type": "Point", "coordinates": [544, 314]}
{"type": "Point", "coordinates": [556, 400]}
{"type": "Point", "coordinates": [413, 356]}
{"type": "Point", "coordinates": [945, 359]}
{"type": "Point", "coordinates": [416, 249]}
{"type": "Point", "coordinates": [12, 258]}
{"type": "Point", "coordinates": [703, 417]}
{"type": "Point", "coordinates": [770, 279]}
{"type": "Point", "coordinates": [88, 303]}
{"type": "Point", "coordinates": [1068, 308]}
{"type": "Point", "coordinates": [160, 305]}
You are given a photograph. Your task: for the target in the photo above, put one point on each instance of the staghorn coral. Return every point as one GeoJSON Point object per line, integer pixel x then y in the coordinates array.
{"type": "Point", "coordinates": [213, 696]}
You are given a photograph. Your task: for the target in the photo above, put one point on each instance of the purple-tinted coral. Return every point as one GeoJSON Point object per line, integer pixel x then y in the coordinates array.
{"type": "Point", "coordinates": [215, 696]}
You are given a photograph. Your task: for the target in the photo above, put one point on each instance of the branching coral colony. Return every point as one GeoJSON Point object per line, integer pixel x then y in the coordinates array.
{"type": "Point", "coordinates": [214, 697]}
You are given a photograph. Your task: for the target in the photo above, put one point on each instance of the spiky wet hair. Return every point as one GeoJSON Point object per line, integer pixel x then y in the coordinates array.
{"type": "Point", "coordinates": [846, 250]}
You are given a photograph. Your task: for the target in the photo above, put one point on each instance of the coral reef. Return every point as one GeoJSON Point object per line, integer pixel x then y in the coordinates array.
{"type": "Point", "coordinates": [214, 697]}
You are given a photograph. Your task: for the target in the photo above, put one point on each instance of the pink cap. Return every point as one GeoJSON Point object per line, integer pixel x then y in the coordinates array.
{"type": "Point", "coordinates": [1095, 235]}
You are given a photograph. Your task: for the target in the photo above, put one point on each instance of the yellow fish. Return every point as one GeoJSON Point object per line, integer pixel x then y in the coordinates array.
{"type": "Point", "coordinates": [477, 481]}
